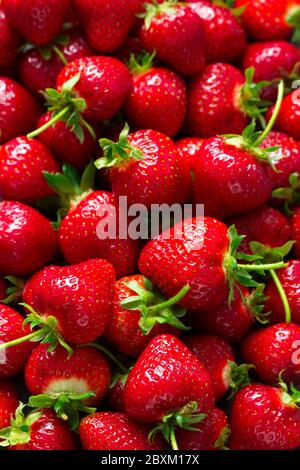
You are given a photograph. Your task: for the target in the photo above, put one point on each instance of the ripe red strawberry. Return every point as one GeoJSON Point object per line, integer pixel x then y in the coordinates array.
{"type": "Point", "coordinates": [38, 21]}
{"type": "Point", "coordinates": [225, 39]}
{"type": "Point", "coordinates": [290, 280]}
{"type": "Point", "coordinates": [12, 360]}
{"type": "Point", "coordinates": [69, 385]}
{"type": "Point", "coordinates": [19, 111]}
{"type": "Point", "coordinates": [65, 293]}
{"type": "Point", "coordinates": [210, 434]}
{"type": "Point", "coordinates": [274, 350]}
{"type": "Point", "coordinates": [3, 289]}
{"type": "Point", "coordinates": [107, 23]}
{"type": "Point", "coordinates": [114, 431]}
{"type": "Point", "coordinates": [189, 148]}
{"type": "Point", "coordinates": [288, 117]}
{"type": "Point", "coordinates": [9, 401]}
{"type": "Point", "coordinates": [265, 225]}
{"type": "Point", "coordinates": [146, 167]}
{"type": "Point", "coordinates": [10, 43]}
{"type": "Point", "coordinates": [26, 159]}
{"type": "Point", "coordinates": [268, 20]}
{"type": "Point", "coordinates": [116, 391]}
{"type": "Point", "coordinates": [295, 226]}
{"type": "Point", "coordinates": [140, 313]}
{"type": "Point", "coordinates": [264, 418]}
{"type": "Point", "coordinates": [39, 68]}
{"type": "Point", "coordinates": [27, 240]}
{"type": "Point", "coordinates": [157, 99]}
{"type": "Point", "coordinates": [218, 358]}
{"type": "Point", "coordinates": [39, 430]}
{"type": "Point", "coordinates": [176, 33]}
{"type": "Point", "coordinates": [168, 385]}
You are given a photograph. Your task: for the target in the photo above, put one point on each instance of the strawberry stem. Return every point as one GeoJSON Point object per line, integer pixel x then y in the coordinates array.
{"type": "Point", "coordinates": [50, 123]}
{"type": "Point", "coordinates": [22, 339]}
{"type": "Point", "coordinates": [174, 300]}
{"type": "Point", "coordinates": [60, 54]}
{"type": "Point", "coordinates": [103, 349]}
{"type": "Point", "coordinates": [173, 440]}
{"type": "Point", "coordinates": [262, 267]}
{"type": "Point", "coordinates": [283, 296]}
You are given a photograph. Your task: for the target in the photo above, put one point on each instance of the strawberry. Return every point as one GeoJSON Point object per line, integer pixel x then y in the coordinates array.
{"type": "Point", "coordinates": [146, 167]}
{"type": "Point", "coordinates": [225, 39]}
{"type": "Point", "coordinates": [210, 434]}
{"type": "Point", "coordinates": [140, 313]}
{"type": "Point", "coordinates": [289, 277]}
{"type": "Point", "coordinates": [19, 111]}
{"type": "Point", "coordinates": [218, 358]}
{"type": "Point", "coordinates": [177, 387]}
{"type": "Point", "coordinates": [107, 23]}
{"type": "Point", "coordinates": [3, 289]}
{"type": "Point", "coordinates": [38, 21]}
{"type": "Point", "coordinates": [288, 117]}
{"type": "Point", "coordinates": [69, 385]}
{"type": "Point", "coordinates": [295, 226]}
{"type": "Point", "coordinates": [189, 148]}
{"type": "Point", "coordinates": [264, 418]}
{"type": "Point", "coordinates": [64, 293]}
{"type": "Point", "coordinates": [12, 360]}
{"type": "Point", "coordinates": [116, 391]}
{"type": "Point", "coordinates": [176, 33]}
{"type": "Point", "coordinates": [39, 68]}
{"type": "Point", "coordinates": [39, 430]}
{"type": "Point", "coordinates": [27, 158]}
{"type": "Point", "coordinates": [22, 248]}
{"type": "Point", "coordinates": [10, 43]}
{"type": "Point", "coordinates": [114, 431]}
{"type": "Point", "coordinates": [157, 99]}
{"type": "Point", "coordinates": [274, 350]}
{"type": "Point", "coordinates": [268, 20]}
{"type": "Point", "coordinates": [9, 401]}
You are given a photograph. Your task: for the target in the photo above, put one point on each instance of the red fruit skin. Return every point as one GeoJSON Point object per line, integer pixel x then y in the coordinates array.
{"type": "Point", "coordinates": [214, 102]}
{"type": "Point", "coordinates": [65, 145]}
{"type": "Point", "coordinates": [189, 148]}
{"type": "Point", "coordinates": [286, 158]}
{"type": "Point", "coordinates": [166, 377]}
{"type": "Point", "coordinates": [38, 73]}
{"type": "Point", "coordinates": [230, 322]}
{"type": "Point", "coordinates": [229, 180]}
{"type": "Point", "coordinates": [79, 296]}
{"type": "Point", "coordinates": [27, 240]}
{"type": "Point", "coordinates": [49, 433]}
{"type": "Point", "coordinates": [79, 241]}
{"type": "Point", "coordinates": [178, 39]}
{"type": "Point", "coordinates": [104, 83]}
{"type": "Point", "coordinates": [161, 177]}
{"type": "Point", "coordinates": [3, 287]}
{"type": "Point", "coordinates": [123, 329]}
{"type": "Point", "coordinates": [131, 45]}
{"type": "Point", "coordinates": [9, 45]}
{"type": "Point", "coordinates": [115, 431]}
{"type": "Point", "coordinates": [295, 227]}
{"type": "Point", "coordinates": [26, 159]}
{"type": "Point", "coordinates": [261, 421]}
{"type": "Point", "coordinates": [87, 370]}
{"type": "Point", "coordinates": [288, 120]}
{"type": "Point", "coordinates": [12, 360]}
{"type": "Point", "coordinates": [225, 39]}
{"type": "Point", "coordinates": [115, 396]}
{"type": "Point", "coordinates": [290, 280]}
{"type": "Point", "coordinates": [214, 353]}
{"type": "Point", "coordinates": [273, 350]}
{"type": "Point", "coordinates": [264, 20]}
{"type": "Point", "coordinates": [19, 111]}
{"type": "Point", "coordinates": [9, 402]}
{"type": "Point", "coordinates": [265, 225]}
{"type": "Point", "coordinates": [107, 23]}
{"type": "Point", "coordinates": [157, 100]}
{"type": "Point", "coordinates": [39, 21]}
{"type": "Point", "coordinates": [209, 431]}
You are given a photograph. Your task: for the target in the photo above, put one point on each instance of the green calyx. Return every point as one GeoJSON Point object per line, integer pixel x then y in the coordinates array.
{"type": "Point", "coordinates": [70, 187]}
{"type": "Point", "coordinates": [289, 395]}
{"type": "Point", "coordinates": [290, 195]}
{"type": "Point", "coordinates": [47, 332]}
{"type": "Point", "coordinates": [153, 9]}
{"type": "Point", "coordinates": [238, 376]}
{"type": "Point", "coordinates": [184, 418]}
{"type": "Point", "coordinates": [18, 432]}
{"type": "Point", "coordinates": [67, 405]}
{"type": "Point", "coordinates": [154, 308]}
{"type": "Point", "coordinates": [255, 303]}
{"type": "Point", "coordinates": [251, 101]}
{"type": "Point", "coordinates": [293, 19]}
{"type": "Point", "coordinates": [66, 106]}
{"type": "Point", "coordinates": [223, 439]}
{"type": "Point", "coordinates": [118, 153]}
{"type": "Point", "coordinates": [14, 290]}
{"type": "Point", "coordinates": [236, 11]}
{"type": "Point", "coordinates": [119, 377]}
{"type": "Point", "coordinates": [141, 63]}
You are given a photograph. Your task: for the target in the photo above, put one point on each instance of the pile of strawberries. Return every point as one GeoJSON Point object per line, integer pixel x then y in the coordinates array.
{"type": "Point", "coordinates": [189, 340]}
